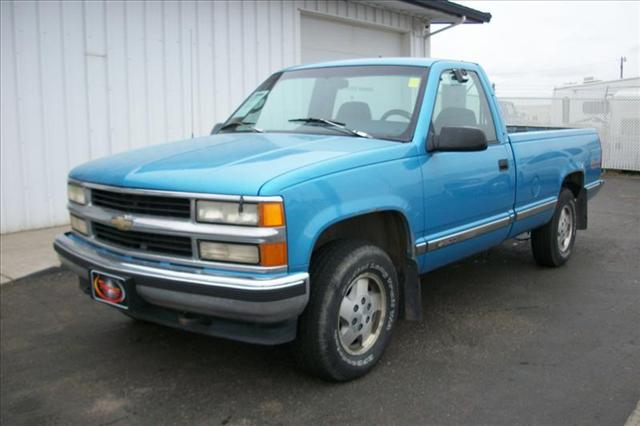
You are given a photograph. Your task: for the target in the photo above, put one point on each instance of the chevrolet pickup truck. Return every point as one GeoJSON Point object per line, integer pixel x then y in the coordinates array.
{"type": "Point", "coordinates": [310, 214]}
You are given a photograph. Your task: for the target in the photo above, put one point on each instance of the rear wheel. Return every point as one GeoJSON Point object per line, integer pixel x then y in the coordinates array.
{"type": "Point", "coordinates": [552, 244]}
{"type": "Point", "coordinates": [352, 309]}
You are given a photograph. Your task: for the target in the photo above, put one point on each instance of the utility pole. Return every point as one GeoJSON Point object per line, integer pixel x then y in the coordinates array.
{"type": "Point", "coordinates": [623, 59]}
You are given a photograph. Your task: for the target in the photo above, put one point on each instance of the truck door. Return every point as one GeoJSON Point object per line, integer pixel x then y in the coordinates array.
{"type": "Point", "coordinates": [468, 196]}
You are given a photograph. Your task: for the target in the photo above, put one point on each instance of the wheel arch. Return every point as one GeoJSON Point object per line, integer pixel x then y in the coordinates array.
{"type": "Point", "coordinates": [574, 181]}
{"type": "Point", "coordinates": [388, 229]}
{"type": "Point", "coordinates": [359, 225]}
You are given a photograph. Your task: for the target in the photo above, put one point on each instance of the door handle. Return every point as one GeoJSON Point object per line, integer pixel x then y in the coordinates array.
{"type": "Point", "coordinates": [503, 164]}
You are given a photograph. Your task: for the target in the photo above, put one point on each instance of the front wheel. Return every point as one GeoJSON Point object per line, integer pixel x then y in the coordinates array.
{"type": "Point", "coordinates": [552, 244]}
{"type": "Point", "coordinates": [351, 313]}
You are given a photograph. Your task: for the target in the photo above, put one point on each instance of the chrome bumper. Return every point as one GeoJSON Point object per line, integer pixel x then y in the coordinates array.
{"type": "Point", "coordinates": [193, 290]}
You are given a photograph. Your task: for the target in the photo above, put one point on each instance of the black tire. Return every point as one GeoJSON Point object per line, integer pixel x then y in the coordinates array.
{"type": "Point", "coordinates": [545, 244]}
{"type": "Point", "coordinates": [334, 270]}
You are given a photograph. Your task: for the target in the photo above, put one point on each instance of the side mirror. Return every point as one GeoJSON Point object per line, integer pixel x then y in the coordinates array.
{"type": "Point", "coordinates": [460, 139]}
{"type": "Point", "coordinates": [216, 127]}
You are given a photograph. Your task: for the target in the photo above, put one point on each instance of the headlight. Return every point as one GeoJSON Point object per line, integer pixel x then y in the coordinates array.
{"type": "Point", "coordinates": [263, 214]}
{"type": "Point", "coordinates": [79, 225]}
{"type": "Point", "coordinates": [224, 252]}
{"type": "Point", "coordinates": [222, 212]}
{"type": "Point", "coordinates": [76, 194]}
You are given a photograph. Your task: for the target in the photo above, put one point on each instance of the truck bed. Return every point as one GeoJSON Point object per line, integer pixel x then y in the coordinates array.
{"type": "Point", "coordinates": [544, 157]}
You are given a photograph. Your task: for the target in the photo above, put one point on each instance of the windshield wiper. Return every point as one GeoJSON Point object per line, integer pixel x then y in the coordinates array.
{"type": "Point", "coordinates": [332, 124]}
{"type": "Point", "coordinates": [235, 124]}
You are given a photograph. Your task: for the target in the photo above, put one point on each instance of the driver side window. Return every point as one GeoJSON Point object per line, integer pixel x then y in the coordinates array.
{"type": "Point", "coordinates": [462, 104]}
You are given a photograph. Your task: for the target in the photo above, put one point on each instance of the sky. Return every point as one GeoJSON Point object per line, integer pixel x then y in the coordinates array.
{"type": "Point", "coordinates": [531, 46]}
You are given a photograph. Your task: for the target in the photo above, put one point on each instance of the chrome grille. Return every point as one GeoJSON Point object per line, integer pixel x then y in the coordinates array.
{"type": "Point", "coordinates": [142, 204]}
{"type": "Point", "coordinates": [144, 241]}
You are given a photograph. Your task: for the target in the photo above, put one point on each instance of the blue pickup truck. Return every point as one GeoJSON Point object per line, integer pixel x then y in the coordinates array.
{"type": "Point", "coordinates": [309, 215]}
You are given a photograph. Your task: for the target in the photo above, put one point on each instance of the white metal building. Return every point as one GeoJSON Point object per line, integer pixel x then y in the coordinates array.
{"type": "Point", "coordinates": [84, 79]}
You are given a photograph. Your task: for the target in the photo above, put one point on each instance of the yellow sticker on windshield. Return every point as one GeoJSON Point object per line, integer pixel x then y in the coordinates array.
{"type": "Point", "coordinates": [414, 82]}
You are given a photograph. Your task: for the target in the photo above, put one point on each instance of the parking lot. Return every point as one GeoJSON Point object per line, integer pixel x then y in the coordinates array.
{"type": "Point", "coordinates": [503, 341]}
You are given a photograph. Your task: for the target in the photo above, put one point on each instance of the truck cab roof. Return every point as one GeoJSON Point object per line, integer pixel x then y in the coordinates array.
{"type": "Point", "coordinates": [403, 61]}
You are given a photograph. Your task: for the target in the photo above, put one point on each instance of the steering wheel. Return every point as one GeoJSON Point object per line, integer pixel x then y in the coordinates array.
{"type": "Point", "coordinates": [400, 112]}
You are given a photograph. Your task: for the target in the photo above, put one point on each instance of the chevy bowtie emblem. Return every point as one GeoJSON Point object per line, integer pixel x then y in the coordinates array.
{"type": "Point", "coordinates": [123, 223]}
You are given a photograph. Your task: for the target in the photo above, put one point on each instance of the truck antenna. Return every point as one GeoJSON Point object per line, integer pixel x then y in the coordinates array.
{"type": "Point", "coordinates": [191, 78]}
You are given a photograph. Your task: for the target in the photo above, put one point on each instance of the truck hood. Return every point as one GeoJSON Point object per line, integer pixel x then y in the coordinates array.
{"type": "Point", "coordinates": [232, 163]}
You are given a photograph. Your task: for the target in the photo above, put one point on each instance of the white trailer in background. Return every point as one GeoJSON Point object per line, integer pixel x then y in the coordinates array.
{"type": "Point", "coordinates": [623, 133]}
{"type": "Point", "coordinates": [613, 108]}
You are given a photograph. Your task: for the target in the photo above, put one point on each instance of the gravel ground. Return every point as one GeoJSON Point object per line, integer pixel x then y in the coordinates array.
{"type": "Point", "coordinates": [503, 341]}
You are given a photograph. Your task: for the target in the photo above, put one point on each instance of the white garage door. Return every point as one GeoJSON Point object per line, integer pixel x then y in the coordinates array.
{"type": "Point", "coordinates": [326, 39]}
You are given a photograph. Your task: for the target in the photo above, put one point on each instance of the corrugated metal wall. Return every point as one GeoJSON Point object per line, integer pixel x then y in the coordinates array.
{"type": "Point", "coordinates": [81, 80]}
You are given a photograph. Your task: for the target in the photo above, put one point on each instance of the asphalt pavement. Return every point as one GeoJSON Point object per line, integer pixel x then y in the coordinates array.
{"type": "Point", "coordinates": [503, 341]}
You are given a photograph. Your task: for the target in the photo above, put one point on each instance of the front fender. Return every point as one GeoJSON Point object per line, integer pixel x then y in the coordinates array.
{"type": "Point", "coordinates": [315, 204]}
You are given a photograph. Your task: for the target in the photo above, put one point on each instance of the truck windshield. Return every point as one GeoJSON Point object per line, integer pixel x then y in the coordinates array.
{"type": "Point", "coordinates": [359, 101]}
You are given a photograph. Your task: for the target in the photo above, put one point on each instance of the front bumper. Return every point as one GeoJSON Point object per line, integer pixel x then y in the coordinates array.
{"type": "Point", "coordinates": [260, 310]}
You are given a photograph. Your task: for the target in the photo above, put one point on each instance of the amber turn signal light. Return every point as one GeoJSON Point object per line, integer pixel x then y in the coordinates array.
{"type": "Point", "coordinates": [271, 214]}
{"type": "Point", "coordinates": [273, 254]}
